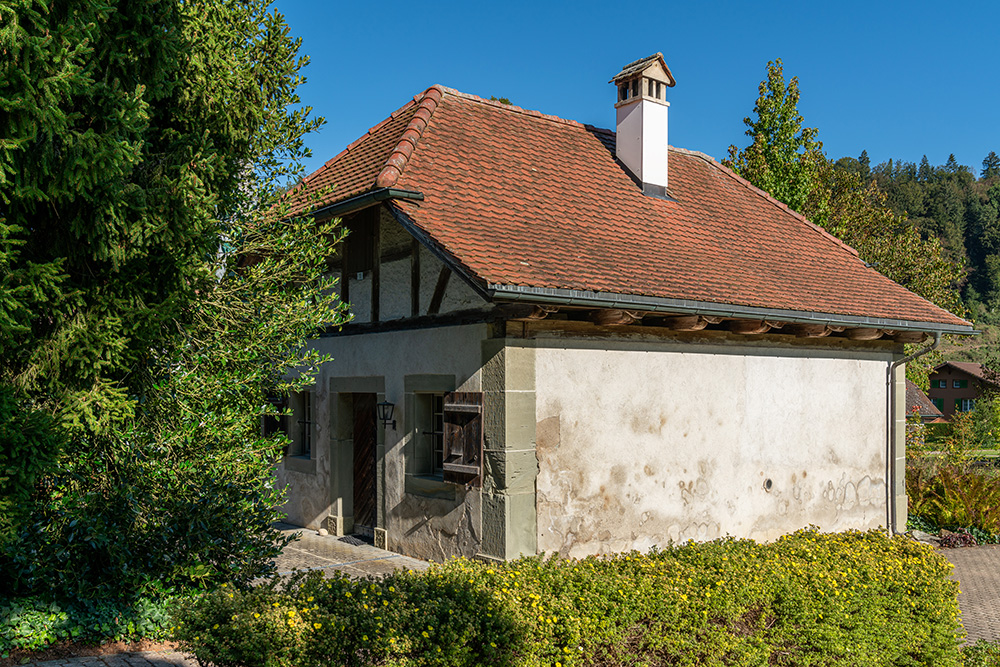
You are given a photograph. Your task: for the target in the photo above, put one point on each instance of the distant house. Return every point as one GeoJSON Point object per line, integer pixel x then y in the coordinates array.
{"type": "Point", "coordinates": [589, 342]}
{"type": "Point", "coordinates": [917, 402]}
{"type": "Point", "coordinates": [955, 386]}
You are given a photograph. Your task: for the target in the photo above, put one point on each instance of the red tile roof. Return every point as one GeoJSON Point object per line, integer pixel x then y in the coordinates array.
{"type": "Point", "coordinates": [968, 367]}
{"type": "Point", "coordinates": [519, 198]}
{"type": "Point", "coordinates": [917, 401]}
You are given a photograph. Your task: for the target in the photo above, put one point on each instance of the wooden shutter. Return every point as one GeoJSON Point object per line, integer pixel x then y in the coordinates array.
{"type": "Point", "coordinates": [463, 437]}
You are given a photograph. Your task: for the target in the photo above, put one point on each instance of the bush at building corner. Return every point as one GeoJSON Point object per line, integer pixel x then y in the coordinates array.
{"type": "Point", "coordinates": [808, 598]}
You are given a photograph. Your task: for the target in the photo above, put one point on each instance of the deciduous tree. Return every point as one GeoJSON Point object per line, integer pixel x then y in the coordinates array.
{"type": "Point", "coordinates": [783, 158]}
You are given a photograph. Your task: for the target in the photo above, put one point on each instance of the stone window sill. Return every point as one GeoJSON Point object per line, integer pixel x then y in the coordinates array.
{"type": "Point", "coordinates": [300, 464]}
{"type": "Point", "coordinates": [429, 486]}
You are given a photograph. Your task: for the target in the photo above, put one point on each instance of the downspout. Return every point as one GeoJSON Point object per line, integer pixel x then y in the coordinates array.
{"type": "Point", "coordinates": [890, 429]}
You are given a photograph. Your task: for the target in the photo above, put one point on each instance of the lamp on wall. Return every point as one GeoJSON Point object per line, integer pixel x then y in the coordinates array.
{"type": "Point", "coordinates": [385, 414]}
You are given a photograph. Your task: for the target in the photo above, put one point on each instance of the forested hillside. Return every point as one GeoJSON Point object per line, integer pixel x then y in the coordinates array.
{"type": "Point", "coordinates": [956, 205]}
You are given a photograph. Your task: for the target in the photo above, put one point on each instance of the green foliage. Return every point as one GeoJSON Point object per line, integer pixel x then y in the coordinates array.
{"type": "Point", "coordinates": [861, 217]}
{"type": "Point", "coordinates": [172, 289]}
{"type": "Point", "coordinates": [953, 495]}
{"type": "Point", "coordinates": [981, 654]}
{"type": "Point", "coordinates": [783, 158]}
{"type": "Point", "coordinates": [806, 599]}
{"type": "Point", "coordinates": [786, 160]}
{"type": "Point", "coordinates": [31, 624]}
{"type": "Point", "coordinates": [30, 445]}
{"type": "Point", "coordinates": [991, 166]}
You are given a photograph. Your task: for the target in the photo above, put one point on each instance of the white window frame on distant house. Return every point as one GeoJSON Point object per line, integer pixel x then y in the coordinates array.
{"type": "Point", "coordinates": [964, 404]}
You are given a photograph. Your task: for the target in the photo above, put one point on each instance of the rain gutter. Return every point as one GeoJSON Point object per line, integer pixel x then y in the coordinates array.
{"type": "Point", "coordinates": [588, 299]}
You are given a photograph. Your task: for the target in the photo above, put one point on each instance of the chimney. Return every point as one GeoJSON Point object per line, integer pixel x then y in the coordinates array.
{"type": "Point", "coordinates": [641, 141]}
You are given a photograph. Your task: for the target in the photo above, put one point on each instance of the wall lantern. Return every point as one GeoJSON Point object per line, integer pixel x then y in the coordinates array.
{"type": "Point", "coordinates": [385, 414]}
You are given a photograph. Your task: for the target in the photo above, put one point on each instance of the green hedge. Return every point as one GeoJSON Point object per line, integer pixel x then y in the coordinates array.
{"type": "Point", "coordinates": [806, 599]}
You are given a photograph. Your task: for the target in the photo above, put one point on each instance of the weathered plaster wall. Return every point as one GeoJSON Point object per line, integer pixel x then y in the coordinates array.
{"type": "Point", "coordinates": [419, 516]}
{"type": "Point", "coordinates": [643, 444]}
{"type": "Point", "coordinates": [457, 296]}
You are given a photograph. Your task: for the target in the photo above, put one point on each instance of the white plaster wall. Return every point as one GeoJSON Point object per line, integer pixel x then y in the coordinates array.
{"type": "Point", "coordinates": [395, 301]}
{"type": "Point", "coordinates": [420, 526]}
{"type": "Point", "coordinates": [639, 448]}
{"type": "Point", "coordinates": [457, 296]}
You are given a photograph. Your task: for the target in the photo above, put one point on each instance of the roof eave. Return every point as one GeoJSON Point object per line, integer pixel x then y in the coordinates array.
{"type": "Point", "coordinates": [567, 297]}
{"type": "Point", "coordinates": [364, 200]}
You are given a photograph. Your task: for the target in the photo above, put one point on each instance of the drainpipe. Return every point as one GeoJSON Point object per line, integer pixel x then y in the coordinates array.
{"type": "Point", "coordinates": [890, 430]}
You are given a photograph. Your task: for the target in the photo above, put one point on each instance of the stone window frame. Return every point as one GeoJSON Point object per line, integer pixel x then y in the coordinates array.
{"type": "Point", "coordinates": [421, 479]}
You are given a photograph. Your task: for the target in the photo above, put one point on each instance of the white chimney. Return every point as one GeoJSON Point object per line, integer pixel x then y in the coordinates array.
{"type": "Point", "coordinates": [641, 142]}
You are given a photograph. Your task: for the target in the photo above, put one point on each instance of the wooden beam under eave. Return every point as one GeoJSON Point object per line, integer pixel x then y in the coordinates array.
{"type": "Point", "coordinates": [748, 327]}
{"type": "Point", "coordinates": [808, 330]}
{"type": "Point", "coordinates": [684, 323]}
{"type": "Point", "coordinates": [863, 333]}
{"type": "Point", "coordinates": [615, 317]}
{"type": "Point", "coordinates": [910, 337]}
{"type": "Point", "coordinates": [540, 312]}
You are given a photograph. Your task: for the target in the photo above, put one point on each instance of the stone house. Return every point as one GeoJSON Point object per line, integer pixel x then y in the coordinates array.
{"type": "Point", "coordinates": [589, 342]}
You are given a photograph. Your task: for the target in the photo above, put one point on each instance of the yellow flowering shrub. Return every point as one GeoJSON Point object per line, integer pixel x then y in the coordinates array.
{"type": "Point", "coordinates": [807, 599]}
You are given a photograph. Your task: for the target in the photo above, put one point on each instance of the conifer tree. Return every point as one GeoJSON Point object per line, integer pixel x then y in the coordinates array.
{"type": "Point", "coordinates": [144, 147]}
{"type": "Point", "coordinates": [866, 164]}
{"type": "Point", "coordinates": [991, 166]}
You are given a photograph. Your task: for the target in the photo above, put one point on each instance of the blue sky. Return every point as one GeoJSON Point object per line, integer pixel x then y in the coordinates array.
{"type": "Point", "coordinates": [898, 79]}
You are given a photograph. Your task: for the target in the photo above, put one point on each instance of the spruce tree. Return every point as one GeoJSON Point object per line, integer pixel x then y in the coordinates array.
{"type": "Point", "coordinates": [866, 164]}
{"type": "Point", "coordinates": [991, 166]}
{"type": "Point", "coordinates": [144, 147]}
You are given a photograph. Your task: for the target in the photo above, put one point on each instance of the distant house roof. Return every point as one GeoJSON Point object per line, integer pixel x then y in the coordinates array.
{"type": "Point", "coordinates": [917, 400]}
{"type": "Point", "coordinates": [533, 207]}
{"type": "Point", "coordinates": [970, 368]}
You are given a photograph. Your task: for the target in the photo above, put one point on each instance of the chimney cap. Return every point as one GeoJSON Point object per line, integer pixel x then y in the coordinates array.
{"type": "Point", "coordinates": [639, 66]}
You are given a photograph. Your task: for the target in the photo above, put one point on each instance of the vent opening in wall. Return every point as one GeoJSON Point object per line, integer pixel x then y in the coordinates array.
{"type": "Point", "coordinates": [768, 484]}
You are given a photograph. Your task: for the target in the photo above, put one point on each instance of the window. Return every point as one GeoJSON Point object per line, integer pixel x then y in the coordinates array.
{"type": "Point", "coordinates": [960, 384]}
{"type": "Point", "coordinates": [271, 425]}
{"type": "Point", "coordinates": [429, 455]}
{"type": "Point", "coordinates": [299, 425]}
{"type": "Point", "coordinates": [964, 404]}
{"type": "Point", "coordinates": [448, 436]}
{"type": "Point", "coordinates": [359, 246]}
{"type": "Point", "coordinates": [938, 403]}
{"type": "Point", "coordinates": [939, 384]}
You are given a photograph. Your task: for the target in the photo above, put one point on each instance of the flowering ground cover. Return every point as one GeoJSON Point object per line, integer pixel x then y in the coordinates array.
{"type": "Point", "coordinates": [806, 599]}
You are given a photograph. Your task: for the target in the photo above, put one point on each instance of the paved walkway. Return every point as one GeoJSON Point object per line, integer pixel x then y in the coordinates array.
{"type": "Point", "coordinates": [977, 570]}
{"type": "Point", "coordinates": [309, 552]}
{"type": "Point", "coordinates": [345, 554]}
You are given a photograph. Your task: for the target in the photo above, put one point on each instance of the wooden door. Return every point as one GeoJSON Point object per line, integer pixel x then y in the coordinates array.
{"type": "Point", "coordinates": [364, 464]}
